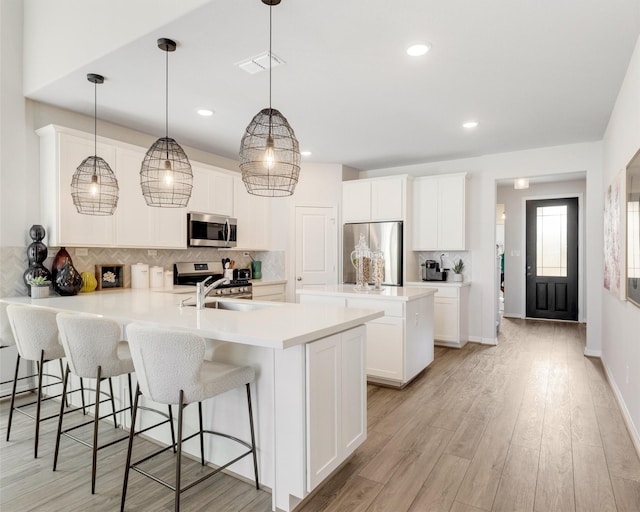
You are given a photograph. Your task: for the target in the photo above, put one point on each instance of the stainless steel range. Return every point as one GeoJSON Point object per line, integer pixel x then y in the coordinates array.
{"type": "Point", "coordinates": [191, 273]}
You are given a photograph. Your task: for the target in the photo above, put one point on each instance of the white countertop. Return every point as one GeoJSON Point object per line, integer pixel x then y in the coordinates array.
{"type": "Point", "coordinates": [450, 284]}
{"type": "Point", "coordinates": [387, 292]}
{"type": "Point", "coordinates": [281, 325]}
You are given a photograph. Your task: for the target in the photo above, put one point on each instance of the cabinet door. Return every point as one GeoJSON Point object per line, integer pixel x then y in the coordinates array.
{"type": "Point", "coordinates": [254, 218]}
{"type": "Point", "coordinates": [387, 199]}
{"type": "Point", "coordinates": [451, 213]}
{"type": "Point", "coordinates": [201, 191]}
{"type": "Point", "coordinates": [75, 229]}
{"type": "Point", "coordinates": [133, 216]}
{"type": "Point", "coordinates": [425, 214]}
{"type": "Point", "coordinates": [356, 201]}
{"type": "Point", "coordinates": [169, 227]}
{"type": "Point", "coordinates": [446, 320]}
{"type": "Point", "coordinates": [385, 348]}
{"type": "Point", "coordinates": [323, 409]}
{"type": "Point", "coordinates": [354, 391]}
{"type": "Point", "coordinates": [221, 194]}
{"type": "Point", "coordinates": [418, 336]}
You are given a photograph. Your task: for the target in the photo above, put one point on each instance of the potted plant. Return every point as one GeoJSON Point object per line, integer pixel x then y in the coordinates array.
{"type": "Point", "coordinates": [39, 287]}
{"type": "Point", "coordinates": [457, 271]}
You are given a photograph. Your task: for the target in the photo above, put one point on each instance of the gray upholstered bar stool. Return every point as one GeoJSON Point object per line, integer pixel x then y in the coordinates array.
{"type": "Point", "coordinates": [36, 335]}
{"type": "Point", "coordinates": [94, 350]}
{"type": "Point", "coordinates": [171, 369]}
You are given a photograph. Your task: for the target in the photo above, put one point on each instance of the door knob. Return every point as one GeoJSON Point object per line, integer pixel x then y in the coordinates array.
{"type": "Point", "coordinates": [299, 278]}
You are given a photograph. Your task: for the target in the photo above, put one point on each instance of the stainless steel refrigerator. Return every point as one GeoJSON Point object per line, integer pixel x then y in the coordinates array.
{"type": "Point", "coordinates": [380, 236]}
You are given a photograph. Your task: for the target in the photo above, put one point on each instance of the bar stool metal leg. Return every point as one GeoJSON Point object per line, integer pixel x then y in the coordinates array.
{"type": "Point", "coordinates": [96, 423]}
{"type": "Point", "coordinates": [179, 453]}
{"type": "Point", "coordinates": [201, 433]}
{"type": "Point", "coordinates": [13, 395]}
{"type": "Point", "coordinates": [62, 402]}
{"type": "Point", "coordinates": [84, 412]}
{"type": "Point", "coordinates": [253, 437]}
{"type": "Point", "coordinates": [134, 412]}
{"type": "Point", "coordinates": [38, 406]}
{"type": "Point", "coordinates": [113, 404]}
{"type": "Point", "coordinates": [173, 433]}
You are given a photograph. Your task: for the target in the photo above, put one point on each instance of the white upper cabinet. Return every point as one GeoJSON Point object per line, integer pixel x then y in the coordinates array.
{"type": "Point", "coordinates": [254, 218]}
{"type": "Point", "coordinates": [212, 191]}
{"type": "Point", "coordinates": [60, 155]}
{"type": "Point", "coordinates": [439, 213]}
{"type": "Point", "coordinates": [375, 199]}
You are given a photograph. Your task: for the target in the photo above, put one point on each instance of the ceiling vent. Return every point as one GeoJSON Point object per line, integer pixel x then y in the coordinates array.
{"type": "Point", "coordinates": [260, 63]}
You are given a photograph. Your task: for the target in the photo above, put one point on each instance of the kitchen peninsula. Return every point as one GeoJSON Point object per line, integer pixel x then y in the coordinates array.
{"type": "Point", "coordinates": [310, 389]}
{"type": "Point", "coordinates": [400, 344]}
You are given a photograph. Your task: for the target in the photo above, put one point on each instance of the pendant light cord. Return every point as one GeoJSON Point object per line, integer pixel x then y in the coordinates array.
{"type": "Point", "coordinates": [166, 95]}
{"type": "Point", "coordinates": [270, 64]}
{"type": "Point", "coordinates": [95, 126]}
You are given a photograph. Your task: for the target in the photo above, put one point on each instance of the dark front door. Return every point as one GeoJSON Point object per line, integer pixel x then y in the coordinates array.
{"type": "Point", "coordinates": [552, 259]}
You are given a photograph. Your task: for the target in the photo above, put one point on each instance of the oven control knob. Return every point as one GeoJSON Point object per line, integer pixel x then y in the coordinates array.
{"type": "Point", "coordinates": [218, 292]}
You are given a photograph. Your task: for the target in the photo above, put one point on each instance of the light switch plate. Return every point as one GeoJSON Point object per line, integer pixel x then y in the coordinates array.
{"type": "Point", "coordinates": [81, 251]}
{"type": "Point", "coordinates": [152, 252]}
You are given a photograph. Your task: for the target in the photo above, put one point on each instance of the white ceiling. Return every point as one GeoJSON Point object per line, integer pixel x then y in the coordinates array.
{"type": "Point", "coordinates": [535, 73]}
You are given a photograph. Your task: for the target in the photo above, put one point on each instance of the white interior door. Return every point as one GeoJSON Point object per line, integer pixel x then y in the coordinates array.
{"type": "Point", "coordinates": [316, 246]}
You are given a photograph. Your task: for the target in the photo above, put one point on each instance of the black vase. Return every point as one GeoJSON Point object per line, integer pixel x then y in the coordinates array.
{"type": "Point", "coordinates": [36, 254]}
{"type": "Point", "coordinates": [68, 281]}
{"type": "Point", "coordinates": [58, 262]}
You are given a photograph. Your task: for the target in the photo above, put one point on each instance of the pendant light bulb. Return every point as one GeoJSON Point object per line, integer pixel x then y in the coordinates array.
{"type": "Point", "coordinates": [269, 155]}
{"type": "Point", "coordinates": [94, 188]}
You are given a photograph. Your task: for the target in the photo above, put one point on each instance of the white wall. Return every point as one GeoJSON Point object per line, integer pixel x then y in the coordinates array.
{"type": "Point", "coordinates": [513, 200]}
{"type": "Point", "coordinates": [484, 172]}
{"type": "Point", "coordinates": [621, 319]}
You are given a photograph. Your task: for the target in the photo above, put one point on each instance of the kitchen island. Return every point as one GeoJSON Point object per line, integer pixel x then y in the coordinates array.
{"type": "Point", "coordinates": [310, 389]}
{"type": "Point", "coordinates": [400, 344]}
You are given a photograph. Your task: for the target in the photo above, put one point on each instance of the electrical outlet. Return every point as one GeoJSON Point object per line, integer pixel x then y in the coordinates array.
{"type": "Point", "coordinates": [82, 251]}
{"type": "Point", "coordinates": [246, 254]}
{"type": "Point", "coordinates": [445, 254]}
{"type": "Point", "coordinates": [152, 252]}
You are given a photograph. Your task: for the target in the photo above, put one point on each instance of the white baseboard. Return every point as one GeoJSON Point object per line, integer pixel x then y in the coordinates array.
{"type": "Point", "coordinates": [633, 431]}
{"type": "Point", "coordinates": [509, 315]}
{"type": "Point", "coordinates": [593, 353]}
{"type": "Point", "coordinates": [484, 341]}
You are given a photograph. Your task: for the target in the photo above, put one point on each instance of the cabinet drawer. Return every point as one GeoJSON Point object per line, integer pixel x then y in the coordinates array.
{"type": "Point", "coordinates": [390, 307]}
{"type": "Point", "coordinates": [447, 292]}
{"type": "Point", "coordinates": [267, 289]}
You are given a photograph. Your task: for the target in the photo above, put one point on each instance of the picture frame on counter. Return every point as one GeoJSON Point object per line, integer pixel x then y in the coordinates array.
{"type": "Point", "coordinates": [110, 276]}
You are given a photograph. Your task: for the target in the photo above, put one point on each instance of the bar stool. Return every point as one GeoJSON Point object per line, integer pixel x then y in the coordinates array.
{"type": "Point", "coordinates": [94, 350]}
{"type": "Point", "coordinates": [36, 335]}
{"type": "Point", "coordinates": [171, 369]}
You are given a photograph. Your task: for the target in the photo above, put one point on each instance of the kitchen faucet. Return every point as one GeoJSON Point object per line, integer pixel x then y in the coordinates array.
{"type": "Point", "coordinates": [202, 290]}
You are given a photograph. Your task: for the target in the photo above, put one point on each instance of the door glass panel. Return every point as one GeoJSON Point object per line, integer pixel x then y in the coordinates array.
{"type": "Point", "coordinates": [633, 245]}
{"type": "Point", "coordinates": [551, 244]}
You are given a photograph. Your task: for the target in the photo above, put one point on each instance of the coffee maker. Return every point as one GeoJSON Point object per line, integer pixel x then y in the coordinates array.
{"type": "Point", "coordinates": [431, 271]}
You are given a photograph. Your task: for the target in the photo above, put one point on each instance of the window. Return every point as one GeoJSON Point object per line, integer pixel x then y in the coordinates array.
{"type": "Point", "coordinates": [551, 241]}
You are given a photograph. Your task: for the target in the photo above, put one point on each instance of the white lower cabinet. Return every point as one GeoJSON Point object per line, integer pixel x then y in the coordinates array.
{"type": "Point", "coordinates": [450, 310]}
{"type": "Point", "coordinates": [336, 402]}
{"type": "Point", "coordinates": [385, 348]}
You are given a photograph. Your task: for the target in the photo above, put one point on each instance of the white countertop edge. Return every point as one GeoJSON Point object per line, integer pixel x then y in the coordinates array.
{"type": "Point", "coordinates": [265, 282]}
{"type": "Point", "coordinates": [433, 284]}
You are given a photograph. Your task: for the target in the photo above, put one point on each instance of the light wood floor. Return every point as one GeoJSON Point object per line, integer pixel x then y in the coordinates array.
{"type": "Point", "coordinates": [529, 425]}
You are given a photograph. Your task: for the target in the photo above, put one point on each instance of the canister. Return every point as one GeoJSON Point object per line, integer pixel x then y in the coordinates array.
{"type": "Point", "coordinates": [168, 279]}
{"type": "Point", "coordinates": [156, 277]}
{"type": "Point", "coordinates": [139, 275]}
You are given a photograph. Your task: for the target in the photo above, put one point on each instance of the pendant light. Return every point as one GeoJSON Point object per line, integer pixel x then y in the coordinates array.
{"type": "Point", "coordinates": [94, 187]}
{"type": "Point", "coordinates": [165, 176]}
{"type": "Point", "coordinates": [269, 151]}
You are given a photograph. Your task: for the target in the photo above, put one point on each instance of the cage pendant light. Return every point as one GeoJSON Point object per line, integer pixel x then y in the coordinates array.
{"type": "Point", "coordinates": [94, 187]}
{"type": "Point", "coordinates": [269, 150]}
{"type": "Point", "coordinates": [165, 176]}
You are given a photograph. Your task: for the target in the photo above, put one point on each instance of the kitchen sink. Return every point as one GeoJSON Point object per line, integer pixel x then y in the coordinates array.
{"type": "Point", "coordinates": [245, 305]}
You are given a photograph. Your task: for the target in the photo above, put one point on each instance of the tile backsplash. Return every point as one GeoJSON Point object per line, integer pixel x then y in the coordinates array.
{"type": "Point", "coordinates": [13, 262]}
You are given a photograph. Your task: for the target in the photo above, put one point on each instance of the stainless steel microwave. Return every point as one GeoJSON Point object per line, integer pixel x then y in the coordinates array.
{"type": "Point", "coordinates": [205, 230]}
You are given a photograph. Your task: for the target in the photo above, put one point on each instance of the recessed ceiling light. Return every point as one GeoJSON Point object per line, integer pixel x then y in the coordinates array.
{"type": "Point", "coordinates": [521, 183]}
{"type": "Point", "coordinates": [305, 153]}
{"type": "Point", "coordinates": [416, 50]}
{"type": "Point", "coordinates": [470, 124]}
{"type": "Point", "coordinates": [205, 112]}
